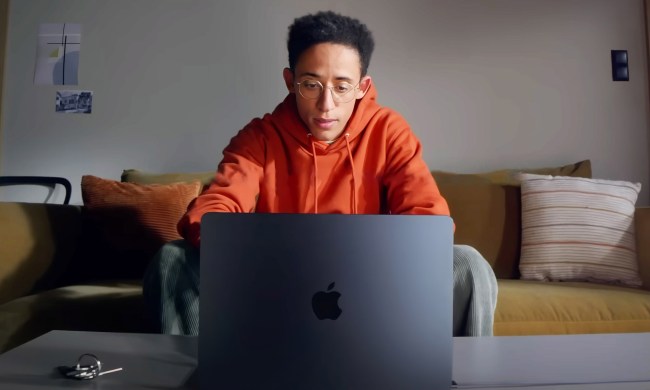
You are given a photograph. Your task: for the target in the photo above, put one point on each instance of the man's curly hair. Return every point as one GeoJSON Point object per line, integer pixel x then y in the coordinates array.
{"type": "Point", "coordinates": [329, 27]}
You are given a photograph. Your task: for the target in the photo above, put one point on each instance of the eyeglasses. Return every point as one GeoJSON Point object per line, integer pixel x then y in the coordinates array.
{"type": "Point", "coordinates": [313, 89]}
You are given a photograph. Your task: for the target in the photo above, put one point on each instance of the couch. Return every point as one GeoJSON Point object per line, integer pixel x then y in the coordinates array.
{"type": "Point", "coordinates": [79, 267]}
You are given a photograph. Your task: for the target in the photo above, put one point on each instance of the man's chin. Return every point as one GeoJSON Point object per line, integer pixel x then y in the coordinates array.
{"type": "Point", "coordinates": [326, 135]}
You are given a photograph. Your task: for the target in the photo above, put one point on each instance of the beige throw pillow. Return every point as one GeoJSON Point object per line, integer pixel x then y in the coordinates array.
{"type": "Point", "coordinates": [577, 229]}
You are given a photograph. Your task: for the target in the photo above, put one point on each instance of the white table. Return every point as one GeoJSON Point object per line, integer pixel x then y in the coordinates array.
{"type": "Point", "coordinates": [149, 361]}
{"type": "Point", "coordinates": [617, 361]}
{"type": "Point", "coordinates": [598, 361]}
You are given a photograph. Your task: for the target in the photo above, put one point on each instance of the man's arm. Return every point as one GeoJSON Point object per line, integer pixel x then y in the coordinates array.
{"type": "Point", "coordinates": [411, 188]}
{"type": "Point", "coordinates": [235, 186]}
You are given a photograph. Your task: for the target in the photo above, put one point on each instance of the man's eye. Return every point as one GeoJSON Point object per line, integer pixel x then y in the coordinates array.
{"type": "Point", "coordinates": [342, 88]}
{"type": "Point", "coordinates": [310, 85]}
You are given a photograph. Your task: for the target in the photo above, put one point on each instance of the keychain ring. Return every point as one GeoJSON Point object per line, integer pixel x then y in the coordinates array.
{"type": "Point", "coordinates": [88, 367]}
{"type": "Point", "coordinates": [95, 358]}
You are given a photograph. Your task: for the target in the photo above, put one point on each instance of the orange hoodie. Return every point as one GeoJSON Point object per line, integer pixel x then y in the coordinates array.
{"type": "Point", "coordinates": [274, 165]}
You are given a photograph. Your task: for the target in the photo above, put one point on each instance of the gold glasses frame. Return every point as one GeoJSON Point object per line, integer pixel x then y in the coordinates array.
{"type": "Point", "coordinates": [338, 96]}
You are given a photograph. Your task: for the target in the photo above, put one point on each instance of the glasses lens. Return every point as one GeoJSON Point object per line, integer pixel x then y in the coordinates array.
{"type": "Point", "coordinates": [342, 92]}
{"type": "Point", "coordinates": [310, 89]}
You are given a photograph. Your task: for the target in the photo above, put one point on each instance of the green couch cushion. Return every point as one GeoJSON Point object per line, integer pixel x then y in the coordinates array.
{"type": "Point", "coordinates": [539, 308]}
{"type": "Point", "coordinates": [42, 238]}
{"type": "Point", "coordinates": [486, 209]}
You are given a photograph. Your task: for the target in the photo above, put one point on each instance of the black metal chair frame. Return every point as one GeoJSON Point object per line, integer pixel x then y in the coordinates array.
{"type": "Point", "coordinates": [48, 181]}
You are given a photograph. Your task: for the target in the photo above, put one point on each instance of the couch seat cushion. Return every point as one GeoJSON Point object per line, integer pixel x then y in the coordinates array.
{"type": "Point", "coordinates": [538, 308]}
{"type": "Point", "coordinates": [110, 306]}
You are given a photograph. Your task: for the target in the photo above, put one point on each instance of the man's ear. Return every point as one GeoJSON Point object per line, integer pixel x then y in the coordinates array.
{"type": "Point", "coordinates": [364, 85]}
{"type": "Point", "coordinates": [288, 79]}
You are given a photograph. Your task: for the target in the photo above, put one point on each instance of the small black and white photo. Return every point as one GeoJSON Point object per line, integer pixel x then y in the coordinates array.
{"type": "Point", "coordinates": [74, 102]}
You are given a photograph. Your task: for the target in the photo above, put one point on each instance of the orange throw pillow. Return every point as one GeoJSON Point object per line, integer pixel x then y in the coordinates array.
{"type": "Point", "coordinates": [135, 219]}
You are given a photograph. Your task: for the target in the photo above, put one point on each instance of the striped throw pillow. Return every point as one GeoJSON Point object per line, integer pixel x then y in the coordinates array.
{"type": "Point", "coordinates": [577, 229]}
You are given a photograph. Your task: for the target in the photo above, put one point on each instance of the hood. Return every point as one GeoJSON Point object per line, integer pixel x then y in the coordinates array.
{"type": "Point", "coordinates": [286, 118]}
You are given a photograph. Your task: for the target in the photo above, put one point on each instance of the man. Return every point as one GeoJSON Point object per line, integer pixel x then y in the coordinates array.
{"type": "Point", "coordinates": [327, 148]}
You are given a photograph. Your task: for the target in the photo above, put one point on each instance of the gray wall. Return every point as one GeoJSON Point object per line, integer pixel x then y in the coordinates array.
{"type": "Point", "coordinates": [485, 84]}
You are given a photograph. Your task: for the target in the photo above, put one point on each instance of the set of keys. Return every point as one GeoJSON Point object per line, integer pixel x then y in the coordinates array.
{"type": "Point", "coordinates": [92, 369]}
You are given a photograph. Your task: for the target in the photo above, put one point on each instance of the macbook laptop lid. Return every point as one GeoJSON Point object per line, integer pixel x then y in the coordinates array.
{"type": "Point", "coordinates": [325, 301]}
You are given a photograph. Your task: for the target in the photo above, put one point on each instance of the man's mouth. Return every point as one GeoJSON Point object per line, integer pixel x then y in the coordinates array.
{"type": "Point", "coordinates": [325, 123]}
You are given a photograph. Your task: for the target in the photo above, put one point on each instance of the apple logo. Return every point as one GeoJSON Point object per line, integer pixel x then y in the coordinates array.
{"type": "Point", "coordinates": [326, 305]}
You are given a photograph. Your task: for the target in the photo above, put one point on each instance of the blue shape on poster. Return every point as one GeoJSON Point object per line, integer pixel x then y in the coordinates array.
{"type": "Point", "coordinates": [67, 76]}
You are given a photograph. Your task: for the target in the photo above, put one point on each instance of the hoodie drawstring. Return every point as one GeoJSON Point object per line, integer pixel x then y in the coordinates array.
{"type": "Point", "coordinates": [354, 176]}
{"type": "Point", "coordinates": [313, 153]}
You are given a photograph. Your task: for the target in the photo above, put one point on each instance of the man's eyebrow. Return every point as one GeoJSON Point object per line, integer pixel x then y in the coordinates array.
{"type": "Point", "coordinates": [317, 76]}
{"type": "Point", "coordinates": [314, 75]}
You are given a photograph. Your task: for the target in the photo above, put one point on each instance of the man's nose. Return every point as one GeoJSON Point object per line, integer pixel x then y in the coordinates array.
{"type": "Point", "coordinates": [326, 100]}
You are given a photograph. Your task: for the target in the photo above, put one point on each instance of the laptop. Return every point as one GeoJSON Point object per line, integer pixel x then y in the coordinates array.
{"type": "Point", "coordinates": [325, 301]}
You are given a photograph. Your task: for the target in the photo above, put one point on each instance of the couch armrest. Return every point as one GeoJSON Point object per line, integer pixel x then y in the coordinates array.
{"type": "Point", "coordinates": [642, 222]}
{"type": "Point", "coordinates": [37, 241]}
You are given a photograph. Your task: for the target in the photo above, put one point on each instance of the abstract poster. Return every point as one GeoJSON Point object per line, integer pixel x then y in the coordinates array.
{"type": "Point", "coordinates": [57, 59]}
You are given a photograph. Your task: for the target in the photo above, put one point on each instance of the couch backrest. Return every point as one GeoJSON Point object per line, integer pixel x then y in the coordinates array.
{"type": "Point", "coordinates": [642, 230]}
{"type": "Point", "coordinates": [486, 209]}
{"type": "Point", "coordinates": [141, 177]}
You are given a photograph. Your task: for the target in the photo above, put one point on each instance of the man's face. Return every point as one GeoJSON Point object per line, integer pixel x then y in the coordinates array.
{"type": "Point", "coordinates": [330, 64]}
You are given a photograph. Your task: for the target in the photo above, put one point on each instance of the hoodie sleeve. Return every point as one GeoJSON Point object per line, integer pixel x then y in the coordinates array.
{"type": "Point", "coordinates": [410, 186]}
{"type": "Point", "coordinates": [235, 186]}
